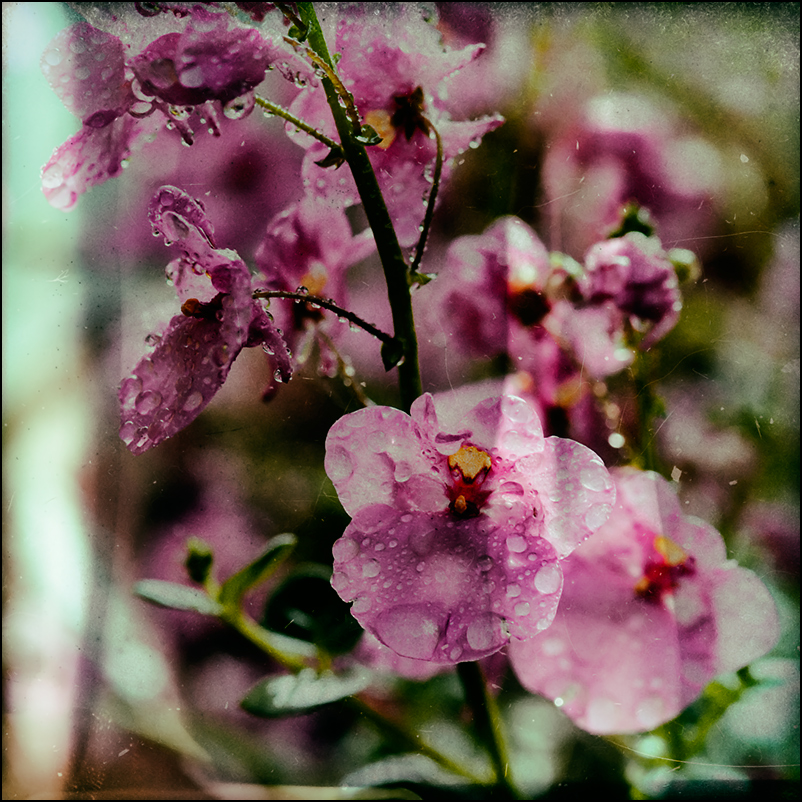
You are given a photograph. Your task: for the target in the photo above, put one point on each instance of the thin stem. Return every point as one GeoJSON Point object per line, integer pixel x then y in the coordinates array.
{"type": "Point", "coordinates": [280, 111]}
{"type": "Point", "coordinates": [260, 637]}
{"type": "Point", "coordinates": [286, 9]}
{"type": "Point", "coordinates": [331, 306]}
{"type": "Point", "coordinates": [411, 740]}
{"type": "Point", "coordinates": [487, 720]}
{"type": "Point", "coordinates": [427, 220]}
{"type": "Point", "coordinates": [392, 259]}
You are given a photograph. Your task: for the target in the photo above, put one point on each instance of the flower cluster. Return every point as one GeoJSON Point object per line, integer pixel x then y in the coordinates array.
{"type": "Point", "coordinates": [461, 518]}
{"type": "Point", "coordinates": [472, 533]}
{"type": "Point", "coordinates": [502, 293]}
{"type": "Point", "coordinates": [396, 69]}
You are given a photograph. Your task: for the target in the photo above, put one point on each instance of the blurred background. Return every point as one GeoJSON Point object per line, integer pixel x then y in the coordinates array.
{"type": "Point", "coordinates": [692, 110]}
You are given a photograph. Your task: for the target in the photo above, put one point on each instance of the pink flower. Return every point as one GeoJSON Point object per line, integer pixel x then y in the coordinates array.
{"type": "Point", "coordinates": [651, 611]}
{"type": "Point", "coordinates": [624, 149]}
{"type": "Point", "coordinates": [310, 246]}
{"type": "Point", "coordinates": [210, 64]}
{"type": "Point", "coordinates": [395, 67]}
{"type": "Point", "coordinates": [634, 272]}
{"type": "Point", "coordinates": [170, 387]}
{"type": "Point", "coordinates": [461, 516]}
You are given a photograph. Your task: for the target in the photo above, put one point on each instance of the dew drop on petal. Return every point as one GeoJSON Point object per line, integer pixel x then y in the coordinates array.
{"type": "Point", "coordinates": [345, 549]}
{"type": "Point", "coordinates": [516, 543]}
{"type": "Point", "coordinates": [371, 568]}
{"type": "Point", "coordinates": [361, 604]}
{"type": "Point", "coordinates": [513, 591]}
{"type": "Point", "coordinates": [486, 631]}
{"type": "Point", "coordinates": [548, 579]}
{"type": "Point", "coordinates": [597, 515]}
{"type": "Point", "coordinates": [411, 630]}
{"type": "Point", "coordinates": [339, 465]}
{"type": "Point", "coordinates": [522, 609]}
{"type": "Point", "coordinates": [422, 541]}
{"type": "Point", "coordinates": [593, 478]}
{"type": "Point", "coordinates": [148, 401]}
{"type": "Point", "coordinates": [194, 400]}
{"type": "Point", "coordinates": [485, 563]}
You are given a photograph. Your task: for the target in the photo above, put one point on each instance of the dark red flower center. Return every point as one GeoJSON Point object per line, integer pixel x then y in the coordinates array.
{"type": "Point", "coordinates": [663, 570]}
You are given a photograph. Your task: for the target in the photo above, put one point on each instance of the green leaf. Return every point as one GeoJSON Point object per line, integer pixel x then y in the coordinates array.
{"type": "Point", "coordinates": [178, 597]}
{"type": "Point", "coordinates": [421, 279]}
{"type": "Point", "coordinates": [294, 694]}
{"type": "Point", "coordinates": [368, 136]}
{"type": "Point", "coordinates": [392, 353]}
{"type": "Point", "coordinates": [334, 158]}
{"type": "Point", "coordinates": [297, 33]}
{"type": "Point", "coordinates": [306, 606]}
{"type": "Point", "coordinates": [235, 587]}
{"type": "Point", "coordinates": [199, 560]}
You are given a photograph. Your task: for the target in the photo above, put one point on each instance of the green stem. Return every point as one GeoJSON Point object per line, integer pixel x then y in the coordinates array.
{"type": "Point", "coordinates": [280, 111]}
{"type": "Point", "coordinates": [261, 638]}
{"type": "Point", "coordinates": [487, 721]}
{"type": "Point", "coordinates": [331, 306]}
{"type": "Point", "coordinates": [411, 741]}
{"type": "Point", "coordinates": [393, 264]}
{"type": "Point", "coordinates": [427, 220]}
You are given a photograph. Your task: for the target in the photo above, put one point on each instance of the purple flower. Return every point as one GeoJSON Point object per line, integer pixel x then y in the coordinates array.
{"type": "Point", "coordinates": [461, 516]}
{"type": "Point", "coordinates": [624, 149]}
{"type": "Point", "coordinates": [651, 611]}
{"type": "Point", "coordinates": [210, 64]}
{"type": "Point", "coordinates": [310, 246]}
{"type": "Point", "coordinates": [634, 272]}
{"type": "Point", "coordinates": [170, 387]}
{"type": "Point", "coordinates": [396, 69]}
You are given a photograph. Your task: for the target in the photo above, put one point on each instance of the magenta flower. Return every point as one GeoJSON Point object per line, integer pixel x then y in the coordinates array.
{"type": "Point", "coordinates": [309, 247]}
{"type": "Point", "coordinates": [171, 386]}
{"type": "Point", "coordinates": [461, 516]}
{"type": "Point", "coordinates": [651, 611]}
{"type": "Point", "coordinates": [624, 149]}
{"type": "Point", "coordinates": [634, 272]}
{"type": "Point", "coordinates": [210, 65]}
{"type": "Point", "coordinates": [396, 69]}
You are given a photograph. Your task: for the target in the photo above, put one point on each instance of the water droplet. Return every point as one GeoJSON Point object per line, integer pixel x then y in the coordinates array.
{"type": "Point", "coordinates": [194, 400]}
{"type": "Point", "coordinates": [422, 540]}
{"type": "Point", "coordinates": [516, 543]}
{"type": "Point", "coordinates": [371, 568]}
{"type": "Point", "coordinates": [53, 58]}
{"type": "Point", "coordinates": [485, 632]}
{"type": "Point", "coordinates": [403, 472]}
{"type": "Point", "coordinates": [597, 515]}
{"type": "Point", "coordinates": [521, 609]}
{"type": "Point", "coordinates": [455, 653]}
{"type": "Point", "coordinates": [345, 549]}
{"type": "Point", "coordinates": [361, 604]}
{"type": "Point", "coordinates": [485, 563]}
{"type": "Point", "coordinates": [593, 478]}
{"type": "Point", "coordinates": [278, 376]}
{"type": "Point", "coordinates": [148, 401]}
{"type": "Point", "coordinates": [339, 465]}
{"type": "Point", "coordinates": [548, 579]}
{"type": "Point", "coordinates": [411, 630]}
{"type": "Point", "coordinates": [513, 591]}
{"type": "Point", "coordinates": [240, 107]}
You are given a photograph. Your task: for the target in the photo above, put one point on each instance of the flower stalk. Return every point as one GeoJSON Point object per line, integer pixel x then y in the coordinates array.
{"type": "Point", "coordinates": [392, 259]}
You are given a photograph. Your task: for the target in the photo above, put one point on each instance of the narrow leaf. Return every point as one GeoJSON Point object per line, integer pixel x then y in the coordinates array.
{"type": "Point", "coordinates": [278, 549]}
{"type": "Point", "coordinates": [293, 694]}
{"type": "Point", "coordinates": [392, 353]}
{"type": "Point", "coordinates": [178, 597]}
